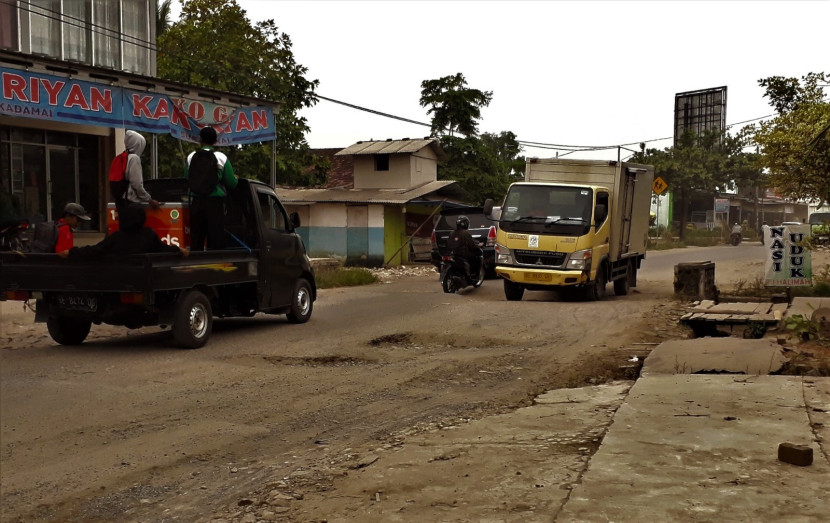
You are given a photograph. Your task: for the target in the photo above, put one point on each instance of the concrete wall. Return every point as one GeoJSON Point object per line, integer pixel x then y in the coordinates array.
{"type": "Point", "coordinates": [424, 166]}
{"type": "Point", "coordinates": [394, 235]}
{"type": "Point", "coordinates": [353, 234]}
{"type": "Point", "coordinates": [405, 170]}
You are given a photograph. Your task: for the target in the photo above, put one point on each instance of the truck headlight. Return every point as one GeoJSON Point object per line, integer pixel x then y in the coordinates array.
{"type": "Point", "coordinates": [503, 255]}
{"type": "Point", "coordinates": [580, 260]}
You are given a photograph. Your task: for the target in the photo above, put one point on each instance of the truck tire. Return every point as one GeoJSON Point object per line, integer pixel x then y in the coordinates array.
{"type": "Point", "coordinates": [513, 291]}
{"type": "Point", "coordinates": [301, 303]}
{"type": "Point", "coordinates": [622, 285]}
{"type": "Point", "coordinates": [68, 331]}
{"type": "Point", "coordinates": [596, 290]}
{"type": "Point", "coordinates": [193, 320]}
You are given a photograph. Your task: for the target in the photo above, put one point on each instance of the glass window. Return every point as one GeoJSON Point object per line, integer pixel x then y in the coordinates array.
{"type": "Point", "coordinates": [45, 27]}
{"type": "Point", "coordinates": [106, 50]}
{"type": "Point", "coordinates": [136, 31]}
{"type": "Point", "coordinates": [381, 162]}
{"type": "Point", "coordinates": [76, 30]}
{"type": "Point", "coordinates": [273, 215]}
{"type": "Point", "coordinates": [8, 26]}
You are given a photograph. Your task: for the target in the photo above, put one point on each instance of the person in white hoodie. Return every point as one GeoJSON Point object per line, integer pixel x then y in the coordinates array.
{"type": "Point", "coordinates": [134, 143]}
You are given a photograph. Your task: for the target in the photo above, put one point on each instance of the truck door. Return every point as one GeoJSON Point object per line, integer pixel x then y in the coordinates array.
{"type": "Point", "coordinates": [280, 254]}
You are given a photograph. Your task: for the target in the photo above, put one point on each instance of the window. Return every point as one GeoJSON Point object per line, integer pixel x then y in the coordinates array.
{"type": "Point", "coordinates": [8, 26]}
{"type": "Point", "coordinates": [273, 215]}
{"type": "Point", "coordinates": [106, 49]}
{"type": "Point", "coordinates": [381, 162]}
{"type": "Point", "coordinates": [45, 27]}
{"type": "Point", "coordinates": [76, 31]}
{"type": "Point", "coordinates": [602, 199]}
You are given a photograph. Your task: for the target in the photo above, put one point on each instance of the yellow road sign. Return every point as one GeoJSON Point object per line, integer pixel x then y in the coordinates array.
{"type": "Point", "coordinates": [659, 185]}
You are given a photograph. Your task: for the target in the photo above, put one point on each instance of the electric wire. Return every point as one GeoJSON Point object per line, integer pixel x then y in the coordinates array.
{"type": "Point", "coordinates": [111, 33]}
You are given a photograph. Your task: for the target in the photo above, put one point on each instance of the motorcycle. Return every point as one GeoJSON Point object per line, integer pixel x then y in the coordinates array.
{"type": "Point", "coordinates": [13, 235]}
{"type": "Point", "coordinates": [455, 273]}
{"type": "Point", "coordinates": [735, 239]}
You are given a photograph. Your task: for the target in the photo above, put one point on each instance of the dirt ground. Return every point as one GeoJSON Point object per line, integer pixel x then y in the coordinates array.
{"type": "Point", "coordinates": [253, 428]}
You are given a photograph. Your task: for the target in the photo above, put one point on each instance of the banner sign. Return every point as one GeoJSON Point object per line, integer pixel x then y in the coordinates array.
{"type": "Point", "coordinates": [787, 264]}
{"type": "Point", "coordinates": [721, 205]}
{"type": "Point", "coordinates": [48, 97]}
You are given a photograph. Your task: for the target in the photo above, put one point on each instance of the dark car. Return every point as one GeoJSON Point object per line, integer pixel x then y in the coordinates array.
{"type": "Point", "coordinates": [481, 228]}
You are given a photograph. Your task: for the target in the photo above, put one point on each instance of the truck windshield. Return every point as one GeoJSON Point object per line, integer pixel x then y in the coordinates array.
{"type": "Point", "coordinates": [547, 209]}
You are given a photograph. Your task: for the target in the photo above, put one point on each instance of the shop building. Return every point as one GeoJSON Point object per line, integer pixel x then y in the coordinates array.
{"type": "Point", "coordinates": [73, 77]}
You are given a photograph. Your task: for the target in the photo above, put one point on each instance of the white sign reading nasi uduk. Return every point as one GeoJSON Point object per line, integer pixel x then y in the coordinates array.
{"type": "Point", "coordinates": [788, 262]}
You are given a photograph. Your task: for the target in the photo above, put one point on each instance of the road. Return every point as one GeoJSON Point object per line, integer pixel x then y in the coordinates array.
{"type": "Point", "coordinates": [127, 428]}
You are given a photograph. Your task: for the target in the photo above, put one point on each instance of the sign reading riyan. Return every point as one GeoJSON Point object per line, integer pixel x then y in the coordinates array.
{"type": "Point", "coordinates": [788, 262]}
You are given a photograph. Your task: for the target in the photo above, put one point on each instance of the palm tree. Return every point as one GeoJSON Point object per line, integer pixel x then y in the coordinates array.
{"type": "Point", "coordinates": [162, 17]}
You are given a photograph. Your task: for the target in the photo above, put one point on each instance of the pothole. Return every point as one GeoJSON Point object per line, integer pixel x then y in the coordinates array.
{"type": "Point", "coordinates": [392, 339]}
{"type": "Point", "coordinates": [321, 361]}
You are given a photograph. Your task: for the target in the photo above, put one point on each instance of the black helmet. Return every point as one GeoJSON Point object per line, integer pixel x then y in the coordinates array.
{"type": "Point", "coordinates": [462, 223]}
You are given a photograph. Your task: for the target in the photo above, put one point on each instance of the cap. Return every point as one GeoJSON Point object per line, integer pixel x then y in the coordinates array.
{"type": "Point", "coordinates": [76, 209]}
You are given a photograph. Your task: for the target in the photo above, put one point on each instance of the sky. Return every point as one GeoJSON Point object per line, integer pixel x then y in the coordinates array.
{"type": "Point", "coordinates": [561, 72]}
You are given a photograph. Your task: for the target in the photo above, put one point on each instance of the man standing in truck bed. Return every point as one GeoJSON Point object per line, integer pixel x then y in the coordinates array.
{"type": "Point", "coordinates": [209, 173]}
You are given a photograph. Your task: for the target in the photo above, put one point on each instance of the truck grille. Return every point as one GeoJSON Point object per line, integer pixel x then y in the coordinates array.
{"type": "Point", "coordinates": [545, 258]}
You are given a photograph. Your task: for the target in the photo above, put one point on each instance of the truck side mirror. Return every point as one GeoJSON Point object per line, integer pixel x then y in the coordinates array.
{"type": "Point", "coordinates": [294, 220]}
{"type": "Point", "coordinates": [600, 214]}
{"type": "Point", "coordinates": [488, 207]}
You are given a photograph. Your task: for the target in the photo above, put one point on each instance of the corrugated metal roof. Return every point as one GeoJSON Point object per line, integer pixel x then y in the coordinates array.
{"type": "Point", "coordinates": [394, 147]}
{"type": "Point", "coordinates": [391, 196]}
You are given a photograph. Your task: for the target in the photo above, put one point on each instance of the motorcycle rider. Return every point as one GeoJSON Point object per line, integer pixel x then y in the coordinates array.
{"type": "Point", "coordinates": [737, 233]}
{"type": "Point", "coordinates": [464, 246]}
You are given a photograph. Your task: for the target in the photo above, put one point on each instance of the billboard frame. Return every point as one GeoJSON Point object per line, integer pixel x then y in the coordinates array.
{"type": "Point", "coordinates": [699, 111]}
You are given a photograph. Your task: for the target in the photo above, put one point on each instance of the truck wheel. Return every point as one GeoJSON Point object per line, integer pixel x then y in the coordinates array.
{"type": "Point", "coordinates": [596, 291]}
{"type": "Point", "coordinates": [301, 303]}
{"type": "Point", "coordinates": [68, 331]}
{"type": "Point", "coordinates": [513, 291]}
{"type": "Point", "coordinates": [193, 321]}
{"type": "Point", "coordinates": [621, 286]}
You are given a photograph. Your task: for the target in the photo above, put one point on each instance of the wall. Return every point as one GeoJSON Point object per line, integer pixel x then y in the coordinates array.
{"type": "Point", "coordinates": [424, 166]}
{"type": "Point", "coordinates": [394, 229]}
{"type": "Point", "coordinates": [353, 234]}
{"type": "Point", "coordinates": [397, 177]}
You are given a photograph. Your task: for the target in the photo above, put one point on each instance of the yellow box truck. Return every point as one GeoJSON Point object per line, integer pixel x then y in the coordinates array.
{"type": "Point", "coordinates": [574, 224]}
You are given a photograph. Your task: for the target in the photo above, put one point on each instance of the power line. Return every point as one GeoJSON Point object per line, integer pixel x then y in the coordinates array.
{"type": "Point", "coordinates": [111, 33]}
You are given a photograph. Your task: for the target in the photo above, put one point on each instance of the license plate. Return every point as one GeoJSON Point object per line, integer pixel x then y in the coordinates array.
{"type": "Point", "coordinates": [538, 276]}
{"type": "Point", "coordinates": [78, 303]}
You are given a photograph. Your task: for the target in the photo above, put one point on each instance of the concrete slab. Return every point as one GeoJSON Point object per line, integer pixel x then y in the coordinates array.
{"type": "Point", "coordinates": [735, 355]}
{"type": "Point", "coordinates": [704, 448]}
{"type": "Point", "coordinates": [806, 306]}
{"type": "Point", "coordinates": [517, 467]}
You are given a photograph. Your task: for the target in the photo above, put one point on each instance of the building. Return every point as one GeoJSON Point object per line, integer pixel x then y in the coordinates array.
{"type": "Point", "coordinates": [73, 77]}
{"type": "Point", "coordinates": [383, 213]}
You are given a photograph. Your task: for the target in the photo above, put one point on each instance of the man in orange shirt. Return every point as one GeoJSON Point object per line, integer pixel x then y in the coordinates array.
{"type": "Point", "coordinates": [73, 213]}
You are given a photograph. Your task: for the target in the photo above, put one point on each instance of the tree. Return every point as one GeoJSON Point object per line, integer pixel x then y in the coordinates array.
{"type": "Point", "coordinates": [795, 146]}
{"type": "Point", "coordinates": [162, 17]}
{"type": "Point", "coordinates": [454, 107]}
{"type": "Point", "coordinates": [709, 163]}
{"type": "Point", "coordinates": [215, 45]}
{"type": "Point", "coordinates": [482, 166]}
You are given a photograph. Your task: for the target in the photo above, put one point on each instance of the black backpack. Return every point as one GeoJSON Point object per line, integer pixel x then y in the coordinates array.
{"type": "Point", "coordinates": [45, 237]}
{"type": "Point", "coordinates": [203, 173]}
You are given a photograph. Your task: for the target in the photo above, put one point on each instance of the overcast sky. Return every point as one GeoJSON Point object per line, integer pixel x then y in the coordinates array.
{"type": "Point", "coordinates": [581, 73]}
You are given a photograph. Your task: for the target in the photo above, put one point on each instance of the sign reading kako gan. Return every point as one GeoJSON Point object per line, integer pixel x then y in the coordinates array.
{"type": "Point", "coordinates": [788, 263]}
{"type": "Point", "coordinates": [47, 97]}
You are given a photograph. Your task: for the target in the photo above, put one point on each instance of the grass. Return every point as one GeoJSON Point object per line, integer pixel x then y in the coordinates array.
{"type": "Point", "coordinates": [343, 277]}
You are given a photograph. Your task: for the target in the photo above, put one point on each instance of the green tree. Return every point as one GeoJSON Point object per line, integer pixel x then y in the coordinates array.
{"type": "Point", "coordinates": [482, 166]}
{"type": "Point", "coordinates": [709, 163]}
{"type": "Point", "coordinates": [795, 145]}
{"type": "Point", "coordinates": [215, 45]}
{"type": "Point", "coordinates": [455, 108]}
{"type": "Point", "coordinates": [163, 20]}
